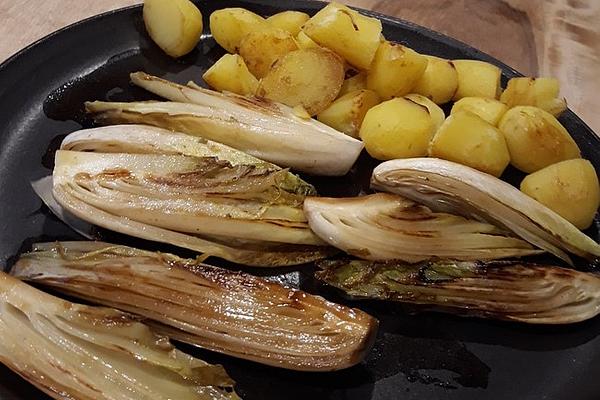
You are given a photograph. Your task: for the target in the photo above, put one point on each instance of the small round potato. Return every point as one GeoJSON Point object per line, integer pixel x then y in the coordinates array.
{"type": "Point", "coordinates": [569, 188]}
{"type": "Point", "coordinates": [395, 70]}
{"type": "Point", "coordinates": [311, 78]}
{"type": "Point", "coordinates": [437, 114]}
{"type": "Point", "coordinates": [290, 21]}
{"type": "Point", "coordinates": [230, 74]}
{"type": "Point", "coordinates": [260, 49]}
{"type": "Point", "coordinates": [229, 26]}
{"type": "Point", "coordinates": [540, 92]}
{"type": "Point", "coordinates": [439, 81]}
{"type": "Point", "coordinates": [174, 25]}
{"type": "Point", "coordinates": [536, 139]}
{"type": "Point", "coordinates": [347, 112]}
{"type": "Point", "coordinates": [469, 140]}
{"type": "Point", "coordinates": [488, 109]}
{"type": "Point", "coordinates": [397, 128]}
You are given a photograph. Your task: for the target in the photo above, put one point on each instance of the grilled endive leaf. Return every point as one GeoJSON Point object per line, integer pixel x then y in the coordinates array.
{"type": "Point", "coordinates": [72, 351]}
{"type": "Point", "coordinates": [389, 227]}
{"type": "Point", "coordinates": [144, 139]}
{"type": "Point", "coordinates": [229, 312]}
{"type": "Point", "coordinates": [258, 127]}
{"type": "Point", "coordinates": [509, 290]}
{"type": "Point", "coordinates": [449, 187]}
{"type": "Point", "coordinates": [242, 213]}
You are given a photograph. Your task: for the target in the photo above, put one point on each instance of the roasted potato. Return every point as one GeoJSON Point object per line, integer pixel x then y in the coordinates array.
{"type": "Point", "coordinates": [477, 79]}
{"type": "Point", "coordinates": [229, 25]}
{"type": "Point", "coordinates": [437, 114]}
{"type": "Point", "coordinates": [397, 128]}
{"type": "Point", "coordinates": [488, 109]}
{"type": "Point", "coordinates": [439, 81]}
{"type": "Point", "coordinates": [304, 42]}
{"type": "Point", "coordinates": [540, 92]}
{"type": "Point", "coordinates": [230, 74]}
{"type": "Point", "coordinates": [395, 70]}
{"type": "Point", "coordinates": [536, 139]}
{"type": "Point", "coordinates": [469, 140]}
{"type": "Point", "coordinates": [348, 111]}
{"type": "Point", "coordinates": [356, 82]}
{"type": "Point", "coordinates": [260, 49]}
{"type": "Point", "coordinates": [353, 36]}
{"type": "Point", "coordinates": [174, 25]}
{"type": "Point", "coordinates": [290, 21]}
{"type": "Point", "coordinates": [308, 77]}
{"type": "Point", "coordinates": [569, 188]}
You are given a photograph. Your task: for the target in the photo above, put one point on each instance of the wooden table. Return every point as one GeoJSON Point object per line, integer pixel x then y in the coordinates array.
{"type": "Point", "coordinates": [559, 38]}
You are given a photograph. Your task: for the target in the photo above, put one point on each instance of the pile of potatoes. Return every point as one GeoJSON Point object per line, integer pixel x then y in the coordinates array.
{"type": "Point", "coordinates": [338, 67]}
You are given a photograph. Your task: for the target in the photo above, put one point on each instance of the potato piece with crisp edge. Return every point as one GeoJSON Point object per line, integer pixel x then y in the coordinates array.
{"type": "Point", "coordinates": [308, 77]}
{"type": "Point", "coordinates": [174, 25]}
{"type": "Point", "coordinates": [437, 114]}
{"type": "Point", "coordinates": [290, 21]}
{"type": "Point", "coordinates": [260, 49]}
{"type": "Point", "coordinates": [397, 128]}
{"type": "Point", "coordinates": [230, 74]}
{"type": "Point", "coordinates": [439, 81]}
{"type": "Point", "coordinates": [353, 36]}
{"type": "Point", "coordinates": [469, 140]}
{"type": "Point", "coordinates": [348, 111]}
{"type": "Point", "coordinates": [477, 79]}
{"type": "Point", "coordinates": [536, 139]}
{"type": "Point", "coordinates": [395, 70]}
{"type": "Point", "coordinates": [356, 82]}
{"type": "Point", "coordinates": [570, 188]}
{"type": "Point", "coordinates": [539, 92]}
{"type": "Point", "coordinates": [488, 109]}
{"type": "Point", "coordinates": [229, 26]}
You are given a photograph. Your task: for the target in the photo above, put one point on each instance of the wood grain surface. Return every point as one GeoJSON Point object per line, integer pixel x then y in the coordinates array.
{"type": "Point", "coordinates": [559, 38]}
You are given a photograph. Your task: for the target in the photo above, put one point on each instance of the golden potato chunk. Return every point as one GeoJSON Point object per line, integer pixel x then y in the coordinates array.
{"type": "Point", "coordinates": [290, 21]}
{"type": "Point", "coordinates": [469, 140]}
{"type": "Point", "coordinates": [308, 77]}
{"type": "Point", "coordinates": [488, 109]}
{"type": "Point", "coordinates": [230, 74]}
{"type": "Point", "coordinates": [229, 25]}
{"type": "Point", "coordinates": [174, 25]}
{"type": "Point", "coordinates": [397, 128]}
{"type": "Point", "coordinates": [536, 139]}
{"type": "Point", "coordinates": [395, 70]}
{"type": "Point", "coordinates": [569, 188]}
{"type": "Point", "coordinates": [439, 81]}
{"type": "Point", "coordinates": [353, 36]}
{"type": "Point", "coordinates": [356, 82]}
{"type": "Point", "coordinates": [477, 79]}
{"type": "Point", "coordinates": [260, 49]}
{"type": "Point", "coordinates": [304, 42]}
{"type": "Point", "coordinates": [437, 114]}
{"type": "Point", "coordinates": [540, 92]}
{"type": "Point", "coordinates": [348, 111]}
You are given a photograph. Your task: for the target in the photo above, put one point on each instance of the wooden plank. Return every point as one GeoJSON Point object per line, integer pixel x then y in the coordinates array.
{"type": "Point", "coordinates": [558, 38]}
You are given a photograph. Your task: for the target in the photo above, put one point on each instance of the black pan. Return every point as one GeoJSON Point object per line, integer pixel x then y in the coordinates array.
{"type": "Point", "coordinates": [416, 356]}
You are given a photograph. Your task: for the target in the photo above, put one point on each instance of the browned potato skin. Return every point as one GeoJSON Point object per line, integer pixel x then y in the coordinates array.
{"type": "Point", "coordinates": [536, 139]}
{"type": "Point", "coordinates": [347, 112]}
{"type": "Point", "coordinates": [260, 49]}
{"type": "Point", "coordinates": [308, 77]}
{"type": "Point", "coordinates": [569, 188]}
